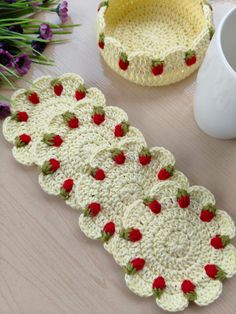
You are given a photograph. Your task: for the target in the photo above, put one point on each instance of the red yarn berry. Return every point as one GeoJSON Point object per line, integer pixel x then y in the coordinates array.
{"type": "Point", "coordinates": [121, 129]}
{"type": "Point", "coordinates": [50, 166]}
{"type": "Point", "coordinates": [98, 174]}
{"type": "Point", "coordinates": [98, 115]}
{"type": "Point", "coordinates": [134, 266]}
{"type": "Point", "coordinates": [33, 98]}
{"type": "Point", "coordinates": [145, 156]}
{"type": "Point", "coordinates": [57, 87]}
{"type": "Point", "coordinates": [208, 213]}
{"type": "Point", "coordinates": [118, 156]}
{"type": "Point", "coordinates": [220, 242]}
{"type": "Point", "coordinates": [158, 286]}
{"type": "Point", "coordinates": [108, 231]}
{"type": "Point", "coordinates": [157, 67]}
{"type": "Point", "coordinates": [153, 204]}
{"type": "Point", "coordinates": [20, 116]}
{"type": "Point", "coordinates": [22, 140]}
{"type": "Point", "coordinates": [183, 198]}
{"type": "Point", "coordinates": [190, 58]}
{"type": "Point", "coordinates": [123, 61]}
{"type": "Point", "coordinates": [92, 210]}
{"type": "Point", "coordinates": [52, 139]}
{"type": "Point", "coordinates": [66, 188]}
{"type": "Point", "coordinates": [71, 120]}
{"type": "Point", "coordinates": [101, 42]}
{"type": "Point", "coordinates": [215, 272]}
{"type": "Point", "coordinates": [131, 234]}
{"type": "Point", "coordinates": [165, 173]}
{"type": "Point", "coordinates": [80, 92]}
{"type": "Point", "coordinates": [188, 289]}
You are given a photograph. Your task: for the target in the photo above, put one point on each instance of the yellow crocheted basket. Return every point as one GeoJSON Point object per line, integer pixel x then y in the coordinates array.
{"type": "Point", "coordinates": [154, 42]}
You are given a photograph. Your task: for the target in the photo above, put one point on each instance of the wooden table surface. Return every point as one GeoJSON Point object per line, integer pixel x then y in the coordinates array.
{"type": "Point", "coordinates": [47, 266]}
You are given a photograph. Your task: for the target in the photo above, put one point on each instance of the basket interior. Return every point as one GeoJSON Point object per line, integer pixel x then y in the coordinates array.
{"type": "Point", "coordinates": [155, 26]}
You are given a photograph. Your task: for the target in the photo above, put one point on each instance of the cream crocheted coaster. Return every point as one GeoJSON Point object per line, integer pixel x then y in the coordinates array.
{"type": "Point", "coordinates": [179, 255]}
{"type": "Point", "coordinates": [154, 42]}
{"type": "Point", "coordinates": [77, 145]}
{"type": "Point", "coordinates": [123, 183]}
{"type": "Point", "coordinates": [33, 110]}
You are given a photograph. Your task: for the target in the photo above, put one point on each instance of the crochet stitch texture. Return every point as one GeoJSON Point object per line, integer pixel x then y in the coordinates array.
{"type": "Point", "coordinates": [154, 42]}
{"type": "Point", "coordinates": [171, 240]}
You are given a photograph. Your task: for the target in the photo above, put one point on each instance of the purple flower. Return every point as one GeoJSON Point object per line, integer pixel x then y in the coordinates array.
{"type": "Point", "coordinates": [22, 64]}
{"type": "Point", "coordinates": [4, 111]}
{"type": "Point", "coordinates": [6, 59]}
{"type": "Point", "coordinates": [16, 28]}
{"type": "Point", "coordinates": [45, 31]}
{"type": "Point", "coordinates": [10, 1]}
{"type": "Point", "coordinates": [38, 46]}
{"type": "Point", "coordinates": [62, 11]}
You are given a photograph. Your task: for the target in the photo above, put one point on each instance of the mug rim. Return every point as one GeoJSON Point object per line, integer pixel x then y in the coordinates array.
{"type": "Point", "coordinates": [219, 40]}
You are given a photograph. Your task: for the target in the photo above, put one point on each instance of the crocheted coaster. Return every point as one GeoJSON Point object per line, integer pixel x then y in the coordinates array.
{"type": "Point", "coordinates": [130, 171]}
{"type": "Point", "coordinates": [33, 110]}
{"type": "Point", "coordinates": [180, 254]}
{"type": "Point", "coordinates": [71, 138]}
{"type": "Point", "coordinates": [155, 42]}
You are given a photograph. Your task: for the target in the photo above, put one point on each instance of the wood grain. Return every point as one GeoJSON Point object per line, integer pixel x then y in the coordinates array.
{"type": "Point", "coordinates": [47, 266]}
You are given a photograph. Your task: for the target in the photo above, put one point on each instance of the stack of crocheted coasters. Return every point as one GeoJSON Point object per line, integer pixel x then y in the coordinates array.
{"type": "Point", "coordinates": [169, 238]}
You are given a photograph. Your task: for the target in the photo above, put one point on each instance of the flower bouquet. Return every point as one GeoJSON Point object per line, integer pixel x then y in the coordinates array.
{"type": "Point", "coordinates": [23, 38]}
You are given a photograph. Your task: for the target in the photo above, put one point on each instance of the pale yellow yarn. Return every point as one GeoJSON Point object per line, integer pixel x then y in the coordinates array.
{"type": "Point", "coordinates": [176, 245]}
{"type": "Point", "coordinates": [152, 30]}
{"type": "Point", "coordinates": [40, 115]}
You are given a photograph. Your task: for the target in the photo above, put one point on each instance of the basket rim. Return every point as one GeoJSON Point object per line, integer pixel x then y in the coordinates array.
{"type": "Point", "coordinates": [101, 27]}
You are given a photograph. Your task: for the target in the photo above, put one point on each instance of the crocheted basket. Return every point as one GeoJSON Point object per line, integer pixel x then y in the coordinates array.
{"type": "Point", "coordinates": [155, 42]}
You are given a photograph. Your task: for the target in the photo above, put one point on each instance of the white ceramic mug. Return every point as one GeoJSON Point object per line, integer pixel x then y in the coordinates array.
{"type": "Point", "coordinates": [215, 98]}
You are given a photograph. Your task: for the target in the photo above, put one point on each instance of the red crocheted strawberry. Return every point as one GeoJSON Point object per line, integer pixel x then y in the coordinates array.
{"type": "Point", "coordinates": [22, 140]}
{"type": "Point", "coordinates": [101, 42]}
{"type": "Point", "coordinates": [165, 173]}
{"type": "Point", "coordinates": [153, 204]}
{"type": "Point", "coordinates": [118, 156]}
{"type": "Point", "coordinates": [66, 188]}
{"type": "Point", "coordinates": [57, 87]}
{"type": "Point", "coordinates": [80, 92]}
{"type": "Point", "coordinates": [52, 139]}
{"type": "Point", "coordinates": [121, 129]}
{"type": "Point", "coordinates": [183, 198]}
{"type": "Point", "coordinates": [92, 210]}
{"type": "Point", "coordinates": [208, 213]}
{"type": "Point", "coordinates": [20, 116]}
{"type": "Point", "coordinates": [220, 241]}
{"type": "Point", "coordinates": [145, 156]}
{"type": "Point", "coordinates": [123, 61]}
{"type": "Point", "coordinates": [134, 266]}
{"type": "Point", "coordinates": [215, 272]}
{"type": "Point", "coordinates": [50, 166]}
{"type": "Point", "coordinates": [33, 97]}
{"type": "Point", "coordinates": [98, 115]}
{"type": "Point", "coordinates": [70, 119]}
{"type": "Point", "coordinates": [158, 286]}
{"type": "Point", "coordinates": [108, 231]}
{"type": "Point", "coordinates": [190, 57]}
{"type": "Point", "coordinates": [98, 174]}
{"type": "Point", "coordinates": [157, 67]}
{"type": "Point", "coordinates": [131, 234]}
{"type": "Point", "coordinates": [103, 4]}
{"type": "Point", "coordinates": [188, 289]}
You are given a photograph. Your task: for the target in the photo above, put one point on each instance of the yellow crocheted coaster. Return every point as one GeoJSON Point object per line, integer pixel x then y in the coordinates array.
{"type": "Point", "coordinates": [129, 173]}
{"type": "Point", "coordinates": [33, 109]}
{"type": "Point", "coordinates": [180, 254]}
{"type": "Point", "coordinates": [154, 42]}
{"type": "Point", "coordinates": [71, 138]}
